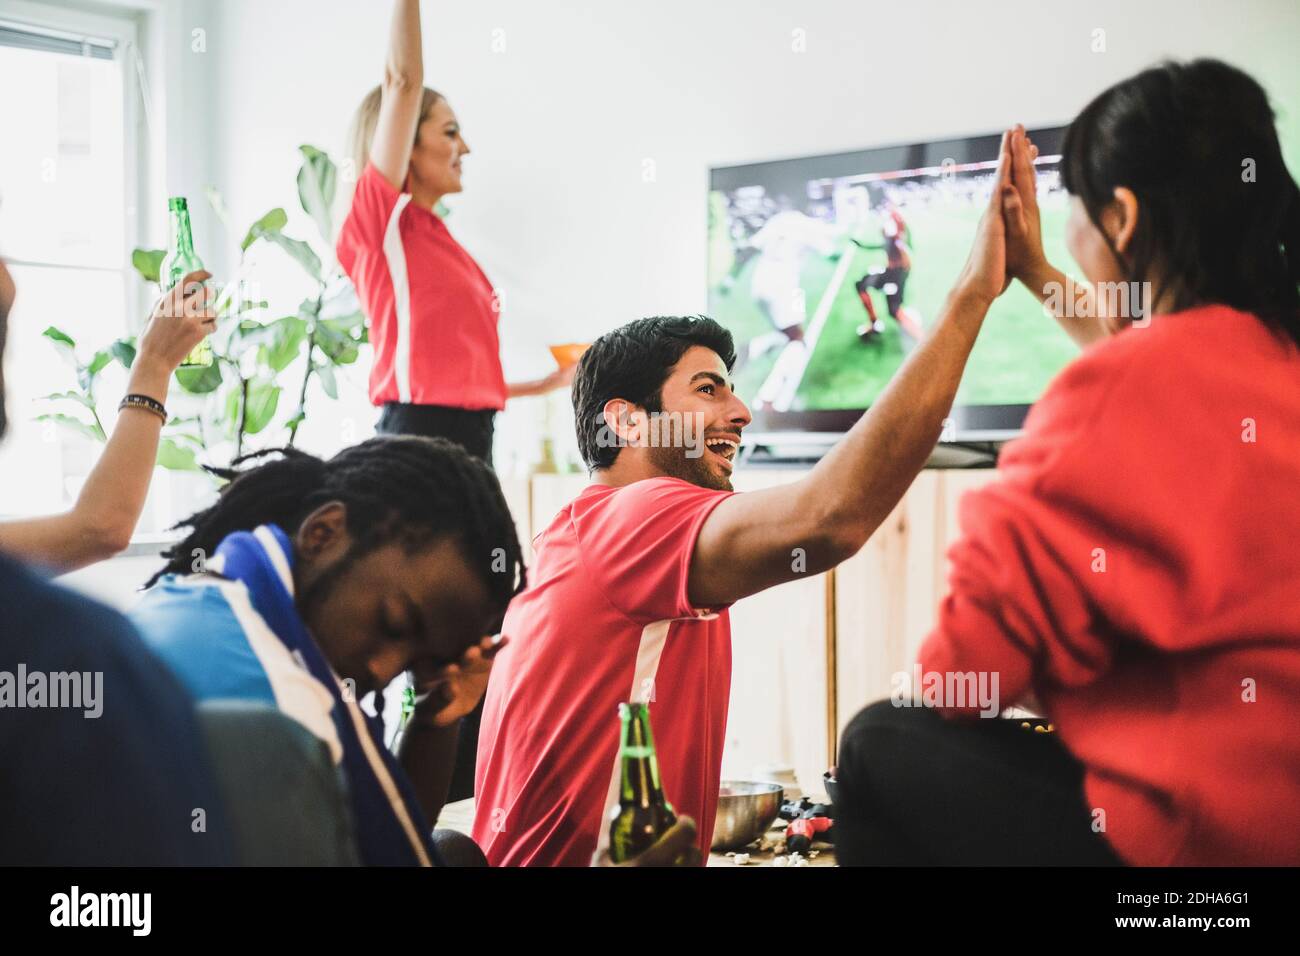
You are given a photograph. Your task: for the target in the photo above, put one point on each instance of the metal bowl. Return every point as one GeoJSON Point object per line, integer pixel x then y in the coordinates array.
{"type": "Point", "coordinates": [745, 811]}
{"type": "Point", "coordinates": [832, 786]}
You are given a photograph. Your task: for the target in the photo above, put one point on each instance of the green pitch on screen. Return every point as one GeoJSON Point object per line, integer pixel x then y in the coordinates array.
{"type": "Point", "coordinates": [1019, 350]}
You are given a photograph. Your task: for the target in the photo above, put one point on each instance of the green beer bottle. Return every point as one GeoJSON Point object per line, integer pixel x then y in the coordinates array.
{"type": "Point", "coordinates": [179, 262]}
{"type": "Point", "coordinates": [642, 815]}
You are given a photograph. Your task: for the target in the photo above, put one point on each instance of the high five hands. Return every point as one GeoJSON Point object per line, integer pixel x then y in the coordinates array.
{"type": "Point", "coordinates": [1024, 230]}
{"type": "Point", "coordinates": [1008, 240]}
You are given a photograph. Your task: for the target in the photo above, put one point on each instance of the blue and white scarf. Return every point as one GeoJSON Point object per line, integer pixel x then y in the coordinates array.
{"type": "Point", "coordinates": [390, 827]}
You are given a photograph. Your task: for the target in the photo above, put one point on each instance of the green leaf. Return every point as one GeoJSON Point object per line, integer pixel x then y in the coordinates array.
{"type": "Point", "coordinates": [327, 380]}
{"type": "Point", "coordinates": [90, 430]}
{"type": "Point", "coordinates": [263, 398]}
{"type": "Point", "coordinates": [80, 398]}
{"type": "Point", "coordinates": [245, 336]}
{"type": "Point", "coordinates": [186, 437]}
{"type": "Point", "coordinates": [253, 332]}
{"type": "Point", "coordinates": [349, 327]}
{"type": "Point", "coordinates": [124, 351]}
{"type": "Point", "coordinates": [59, 337]}
{"type": "Point", "coordinates": [176, 458]}
{"type": "Point", "coordinates": [288, 336]}
{"type": "Point", "coordinates": [338, 346]}
{"type": "Point", "coordinates": [86, 376]}
{"type": "Point", "coordinates": [269, 225]}
{"type": "Point", "coordinates": [278, 341]}
{"type": "Point", "coordinates": [148, 262]}
{"type": "Point", "coordinates": [199, 379]}
{"type": "Point", "coordinates": [101, 359]}
{"type": "Point", "coordinates": [231, 410]}
{"type": "Point", "coordinates": [299, 251]}
{"type": "Point", "coordinates": [316, 182]}
{"type": "Point", "coordinates": [348, 323]}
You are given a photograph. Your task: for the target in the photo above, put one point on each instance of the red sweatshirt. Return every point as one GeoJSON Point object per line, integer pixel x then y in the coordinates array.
{"type": "Point", "coordinates": [1137, 566]}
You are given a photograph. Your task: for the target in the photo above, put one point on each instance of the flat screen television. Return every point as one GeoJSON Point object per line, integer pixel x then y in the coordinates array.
{"type": "Point", "coordinates": [826, 270]}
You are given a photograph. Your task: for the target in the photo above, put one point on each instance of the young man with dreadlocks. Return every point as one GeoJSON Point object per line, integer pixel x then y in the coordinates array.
{"type": "Point", "coordinates": [310, 584]}
{"type": "Point", "coordinates": [633, 577]}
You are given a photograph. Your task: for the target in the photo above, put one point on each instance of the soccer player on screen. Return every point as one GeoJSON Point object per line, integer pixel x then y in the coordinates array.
{"type": "Point", "coordinates": [891, 280]}
{"type": "Point", "coordinates": [785, 242]}
{"type": "Point", "coordinates": [741, 216]}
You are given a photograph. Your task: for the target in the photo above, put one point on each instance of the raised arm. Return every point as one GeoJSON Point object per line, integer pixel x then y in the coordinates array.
{"type": "Point", "coordinates": [749, 541]}
{"type": "Point", "coordinates": [402, 93]}
{"type": "Point", "coordinates": [100, 524]}
{"type": "Point", "coordinates": [1026, 260]}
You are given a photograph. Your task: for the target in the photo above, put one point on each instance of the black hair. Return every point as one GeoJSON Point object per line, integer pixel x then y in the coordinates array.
{"type": "Point", "coordinates": [1219, 211]}
{"type": "Point", "coordinates": [397, 488]}
{"type": "Point", "coordinates": [633, 362]}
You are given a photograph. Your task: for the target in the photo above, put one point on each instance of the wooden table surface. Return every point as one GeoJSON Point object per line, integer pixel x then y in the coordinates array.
{"type": "Point", "coordinates": [459, 816]}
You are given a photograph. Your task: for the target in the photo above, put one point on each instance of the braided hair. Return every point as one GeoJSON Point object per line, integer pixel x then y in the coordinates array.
{"type": "Point", "coordinates": [396, 488]}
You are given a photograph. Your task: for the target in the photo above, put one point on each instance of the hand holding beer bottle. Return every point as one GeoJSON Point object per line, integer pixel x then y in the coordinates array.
{"type": "Point", "coordinates": [677, 847]}
{"type": "Point", "coordinates": [644, 829]}
{"type": "Point", "coordinates": [178, 264]}
{"type": "Point", "coordinates": [181, 319]}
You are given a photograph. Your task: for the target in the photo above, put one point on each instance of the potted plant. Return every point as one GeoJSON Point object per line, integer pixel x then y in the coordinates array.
{"type": "Point", "coordinates": [245, 392]}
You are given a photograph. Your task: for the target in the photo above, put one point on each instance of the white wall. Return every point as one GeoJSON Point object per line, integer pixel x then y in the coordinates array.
{"type": "Point", "coordinates": [561, 123]}
{"type": "Point", "coordinates": [564, 103]}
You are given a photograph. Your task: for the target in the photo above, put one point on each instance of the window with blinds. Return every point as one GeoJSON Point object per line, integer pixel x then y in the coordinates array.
{"type": "Point", "coordinates": [22, 37]}
{"type": "Point", "coordinates": [65, 194]}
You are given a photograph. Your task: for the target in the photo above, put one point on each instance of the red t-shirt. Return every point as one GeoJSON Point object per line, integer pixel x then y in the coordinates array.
{"type": "Point", "coordinates": [432, 313]}
{"type": "Point", "coordinates": [1138, 566]}
{"type": "Point", "coordinates": [605, 619]}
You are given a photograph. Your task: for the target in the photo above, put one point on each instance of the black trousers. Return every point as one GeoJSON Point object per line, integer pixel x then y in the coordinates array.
{"type": "Point", "coordinates": [473, 431]}
{"type": "Point", "coordinates": [916, 789]}
{"type": "Point", "coordinates": [878, 280]}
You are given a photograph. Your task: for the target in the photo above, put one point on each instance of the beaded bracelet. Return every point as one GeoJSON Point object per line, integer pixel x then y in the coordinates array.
{"type": "Point", "coordinates": [146, 403]}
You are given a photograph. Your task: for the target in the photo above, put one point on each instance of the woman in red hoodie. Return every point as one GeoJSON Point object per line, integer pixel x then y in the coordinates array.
{"type": "Point", "coordinates": [1134, 573]}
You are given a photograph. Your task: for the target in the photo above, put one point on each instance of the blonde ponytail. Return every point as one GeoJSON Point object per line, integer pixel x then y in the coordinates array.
{"type": "Point", "coordinates": [367, 118]}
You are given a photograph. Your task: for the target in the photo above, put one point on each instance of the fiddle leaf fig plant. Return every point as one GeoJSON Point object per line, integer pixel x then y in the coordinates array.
{"type": "Point", "coordinates": [257, 383]}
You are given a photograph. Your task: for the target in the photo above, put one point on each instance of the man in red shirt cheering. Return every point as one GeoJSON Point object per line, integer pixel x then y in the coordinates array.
{"type": "Point", "coordinates": [632, 579]}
